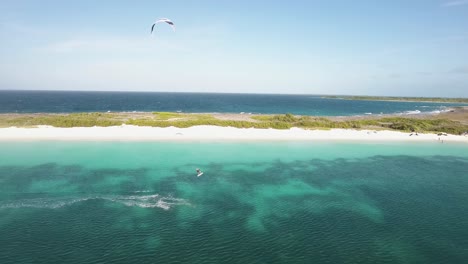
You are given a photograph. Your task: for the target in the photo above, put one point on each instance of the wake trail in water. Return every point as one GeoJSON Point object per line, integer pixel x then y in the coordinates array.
{"type": "Point", "coordinates": [142, 201]}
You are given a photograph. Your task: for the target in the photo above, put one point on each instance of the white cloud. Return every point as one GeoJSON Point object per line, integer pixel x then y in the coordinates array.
{"type": "Point", "coordinates": [460, 70]}
{"type": "Point", "coordinates": [190, 39]}
{"type": "Point", "coordinates": [110, 44]}
{"type": "Point", "coordinates": [13, 27]}
{"type": "Point", "coordinates": [455, 3]}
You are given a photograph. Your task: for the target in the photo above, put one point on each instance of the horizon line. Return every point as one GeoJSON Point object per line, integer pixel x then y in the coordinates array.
{"type": "Point", "coordinates": [246, 93]}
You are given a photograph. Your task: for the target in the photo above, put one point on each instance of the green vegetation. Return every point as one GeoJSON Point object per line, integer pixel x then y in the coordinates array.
{"type": "Point", "coordinates": [424, 125]}
{"type": "Point", "coordinates": [65, 120]}
{"type": "Point", "coordinates": [167, 115]}
{"type": "Point", "coordinates": [403, 99]}
{"type": "Point", "coordinates": [188, 120]}
{"type": "Point", "coordinates": [162, 119]}
{"type": "Point", "coordinates": [391, 123]}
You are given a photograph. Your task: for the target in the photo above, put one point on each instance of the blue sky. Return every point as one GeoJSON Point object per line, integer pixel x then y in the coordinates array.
{"type": "Point", "coordinates": [398, 47]}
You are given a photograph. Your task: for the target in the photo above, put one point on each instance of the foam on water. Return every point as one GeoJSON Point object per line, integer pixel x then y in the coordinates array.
{"type": "Point", "coordinates": [426, 110]}
{"type": "Point", "coordinates": [412, 112]}
{"type": "Point", "coordinates": [142, 201]}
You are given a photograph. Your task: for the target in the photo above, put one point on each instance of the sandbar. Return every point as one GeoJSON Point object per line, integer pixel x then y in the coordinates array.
{"type": "Point", "coordinates": [212, 133]}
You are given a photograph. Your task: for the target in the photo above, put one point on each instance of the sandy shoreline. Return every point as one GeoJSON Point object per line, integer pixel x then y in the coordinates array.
{"type": "Point", "coordinates": [210, 133]}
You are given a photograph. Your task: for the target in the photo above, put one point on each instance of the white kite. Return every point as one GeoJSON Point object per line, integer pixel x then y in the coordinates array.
{"type": "Point", "coordinates": [166, 20]}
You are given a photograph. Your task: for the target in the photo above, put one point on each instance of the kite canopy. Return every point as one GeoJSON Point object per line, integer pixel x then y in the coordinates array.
{"type": "Point", "coordinates": [166, 20]}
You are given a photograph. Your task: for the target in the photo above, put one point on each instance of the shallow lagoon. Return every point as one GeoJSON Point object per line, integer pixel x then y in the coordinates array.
{"type": "Point", "coordinates": [294, 202]}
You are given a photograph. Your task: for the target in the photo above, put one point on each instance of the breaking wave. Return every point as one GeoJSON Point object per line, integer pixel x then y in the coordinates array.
{"type": "Point", "coordinates": [414, 112]}
{"type": "Point", "coordinates": [439, 110]}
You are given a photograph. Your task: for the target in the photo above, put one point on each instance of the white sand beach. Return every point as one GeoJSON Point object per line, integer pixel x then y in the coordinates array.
{"type": "Point", "coordinates": [211, 133]}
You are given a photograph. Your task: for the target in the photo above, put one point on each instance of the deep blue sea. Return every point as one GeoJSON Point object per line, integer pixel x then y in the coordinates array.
{"type": "Point", "coordinates": [69, 102]}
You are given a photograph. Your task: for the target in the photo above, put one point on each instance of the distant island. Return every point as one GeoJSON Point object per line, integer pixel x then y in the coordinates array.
{"type": "Point", "coordinates": [401, 99]}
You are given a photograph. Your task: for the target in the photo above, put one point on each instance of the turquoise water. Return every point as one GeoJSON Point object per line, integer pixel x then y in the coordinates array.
{"type": "Point", "coordinates": [288, 202]}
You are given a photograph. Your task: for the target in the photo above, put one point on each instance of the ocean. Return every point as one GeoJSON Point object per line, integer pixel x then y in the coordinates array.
{"type": "Point", "coordinates": [268, 202]}
{"type": "Point", "coordinates": [70, 102]}
{"type": "Point", "coordinates": [257, 202]}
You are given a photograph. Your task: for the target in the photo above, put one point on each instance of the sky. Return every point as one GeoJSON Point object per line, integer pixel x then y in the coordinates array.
{"type": "Point", "coordinates": [342, 47]}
